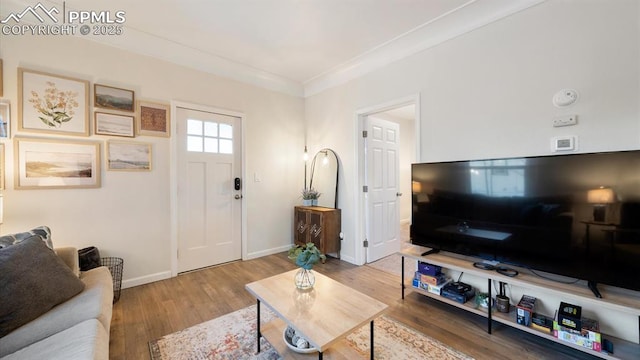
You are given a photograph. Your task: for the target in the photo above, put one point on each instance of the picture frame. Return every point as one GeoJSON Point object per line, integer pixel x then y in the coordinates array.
{"type": "Point", "coordinates": [56, 163]}
{"type": "Point", "coordinates": [69, 115]}
{"type": "Point", "coordinates": [113, 98]}
{"type": "Point", "coordinates": [153, 119]}
{"type": "Point", "coordinates": [128, 156]}
{"type": "Point", "coordinates": [1, 79]}
{"type": "Point", "coordinates": [5, 119]}
{"type": "Point", "coordinates": [114, 124]}
{"type": "Point", "coordinates": [2, 167]}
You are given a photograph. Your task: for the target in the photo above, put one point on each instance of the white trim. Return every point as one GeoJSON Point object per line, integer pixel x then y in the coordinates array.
{"type": "Point", "coordinates": [359, 197]}
{"type": "Point", "coordinates": [470, 16]}
{"type": "Point", "coordinates": [173, 177]}
{"type": "Point", "coordinates": [146, 279]}
{"type": "Point", "coordinates": [261, 253]}
{"type": "Point", "coordinates": [140, 42]}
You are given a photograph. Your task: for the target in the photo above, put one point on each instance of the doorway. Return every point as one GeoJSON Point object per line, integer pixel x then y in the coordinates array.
{"type": "Point", "coordinates": [209, 188]}
{"type": "Point", "coordinates": [386, 152]}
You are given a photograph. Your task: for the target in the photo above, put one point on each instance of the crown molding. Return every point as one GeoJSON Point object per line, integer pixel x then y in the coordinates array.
{"type": "Point", "coordinates": [467, 17]}
{"type": "Point", "coordinates": [181, 54]}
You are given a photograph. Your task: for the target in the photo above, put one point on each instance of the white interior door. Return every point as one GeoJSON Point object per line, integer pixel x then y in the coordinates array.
{"type": "Point", "coordinates": [209, 204]}
{"type": "Point", "coordinates": [382, 177]}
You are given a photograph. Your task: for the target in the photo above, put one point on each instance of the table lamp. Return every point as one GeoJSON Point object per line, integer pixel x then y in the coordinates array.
{"type": "Point", "coordinates": [600, 198]}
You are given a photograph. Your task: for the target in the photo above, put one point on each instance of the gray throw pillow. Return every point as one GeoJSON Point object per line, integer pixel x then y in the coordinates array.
{"type": "Point", "coordinates": [32, 281]}
{"type": "Point", "coordinates": [11, 239]}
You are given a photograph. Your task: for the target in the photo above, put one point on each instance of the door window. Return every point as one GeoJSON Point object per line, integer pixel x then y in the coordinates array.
{"type": "Point", "coordinates": [209, 137]}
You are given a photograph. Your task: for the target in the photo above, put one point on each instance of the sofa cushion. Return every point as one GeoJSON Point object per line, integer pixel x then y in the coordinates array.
{"type": "Point", "coordinates": [87, 340]}
{"type": "Point", "coordinates": [94, 302]}
{"type": "Point", "coordinates": [11, 239]}
{"type": "Point", "coordinates": [34, 280]}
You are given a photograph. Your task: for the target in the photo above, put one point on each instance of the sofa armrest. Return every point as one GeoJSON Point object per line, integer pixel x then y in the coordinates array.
{"type": "Point", "coordinates": [70, 257]}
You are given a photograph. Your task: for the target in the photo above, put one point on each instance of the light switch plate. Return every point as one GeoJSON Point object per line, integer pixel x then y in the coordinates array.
{"type": "Point", "coordinates": [564, 143]}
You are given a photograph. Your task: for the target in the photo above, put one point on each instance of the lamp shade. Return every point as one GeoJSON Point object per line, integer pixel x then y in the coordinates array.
{"type": "Point", "coordinates": [600, 196]}
{"type": "Point", "coordinates": [416, 187]}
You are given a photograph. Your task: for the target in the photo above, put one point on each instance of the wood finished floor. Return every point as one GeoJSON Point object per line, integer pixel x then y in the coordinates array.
{"type": "Point", "coordinates": [150, 311]}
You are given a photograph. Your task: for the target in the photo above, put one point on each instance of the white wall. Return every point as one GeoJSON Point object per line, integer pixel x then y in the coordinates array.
{"type": "Point", "coordinates": [488, 93]}
{"type": "Point", "coordinates": [129, 216]}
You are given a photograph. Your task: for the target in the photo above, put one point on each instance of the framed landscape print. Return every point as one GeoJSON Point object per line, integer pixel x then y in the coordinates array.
{"type": "Point", "coordinates": [114, 124]}
{"type": "Point", "coordinates": [53, 104]}
{"type": "Point", "coordinates": [113, 98]}
{"type": "Point", "coordinates": [54, 164]}
{"type": "Point", "coordinates": [128, 156]}
{"type": "Point", "coordinates": [5, 119]}
{"type": "Point", "coordinates": [2, 167]}
{"type": "Point", "coordinates": [153, 119]}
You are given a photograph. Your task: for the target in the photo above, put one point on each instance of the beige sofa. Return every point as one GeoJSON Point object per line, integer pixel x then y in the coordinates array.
{"type": "Point", "coordinates": [74, 329]}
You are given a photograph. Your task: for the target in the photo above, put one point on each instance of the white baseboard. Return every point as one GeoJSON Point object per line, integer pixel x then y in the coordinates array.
{"type": "Point", "coordinates": [257, 254]}
{"type": "Point", "coordinates": [146, 279]}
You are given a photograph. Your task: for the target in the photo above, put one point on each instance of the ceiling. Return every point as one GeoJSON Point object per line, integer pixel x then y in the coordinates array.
{"type": "Point", "coordinates": [295, 46]}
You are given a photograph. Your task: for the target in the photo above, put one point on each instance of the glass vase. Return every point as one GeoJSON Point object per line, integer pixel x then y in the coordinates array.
{"type": "Point", "coordinates": [304, 279]}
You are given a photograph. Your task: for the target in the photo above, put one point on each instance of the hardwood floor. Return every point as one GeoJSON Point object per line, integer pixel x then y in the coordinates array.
{"type": "Point", "coordinates": [150, 311]}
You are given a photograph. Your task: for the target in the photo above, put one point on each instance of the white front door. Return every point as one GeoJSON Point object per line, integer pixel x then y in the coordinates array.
{"type": "Point", "coordinates": [382, 177]}
{"type": "Point", "coordinates": [209, 201]}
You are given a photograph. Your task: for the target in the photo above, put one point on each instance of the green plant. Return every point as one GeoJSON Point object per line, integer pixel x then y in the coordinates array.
{"type": "Point", "coordinates": [305, 256]}
{"type": "Point", "coordinates": [310, 194]}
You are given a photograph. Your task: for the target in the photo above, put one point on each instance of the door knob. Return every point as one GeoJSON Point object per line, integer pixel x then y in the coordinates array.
{"type": "Point", "coordinates": [238, 196]}
{"type": "Point", "coordinates": [399, 194]}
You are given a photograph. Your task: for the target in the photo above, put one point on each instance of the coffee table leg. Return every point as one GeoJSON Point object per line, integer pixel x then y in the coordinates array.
{"type": "Point", "coordinates": [371, 339]}
{"type": "Point", "coordinates": [319, 355]}
{"type": "Point", "coordinates": [258, 326]}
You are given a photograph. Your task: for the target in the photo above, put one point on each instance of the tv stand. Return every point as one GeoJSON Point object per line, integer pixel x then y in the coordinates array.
{"type": "Point", "coordinates": [429, 252]}
{"type": "Point", "coordinates": [594, 288]}
{"type": "Point", "coordinates": [623, 304]}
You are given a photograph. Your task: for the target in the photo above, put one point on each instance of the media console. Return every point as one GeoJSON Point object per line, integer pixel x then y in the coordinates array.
{"type": "Point", "coordinates": [620, 303]}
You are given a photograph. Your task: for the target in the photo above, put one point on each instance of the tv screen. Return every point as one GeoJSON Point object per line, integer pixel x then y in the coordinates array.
{"type": "Point", "coordinates": [576, 215]}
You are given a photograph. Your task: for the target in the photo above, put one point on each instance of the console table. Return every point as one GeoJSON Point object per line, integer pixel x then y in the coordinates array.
{"type": "Point", "coordinates": [617, 302]}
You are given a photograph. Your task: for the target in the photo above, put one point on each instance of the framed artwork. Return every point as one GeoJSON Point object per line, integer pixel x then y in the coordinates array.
{"type": "Point", "coordinates": [114, 124]}
{"type": "Point", "coordinates": [113, 98]}
{"type": "Point", "coordinates": [5, 119]}
{"type": "Point", "coordinates": [55, 164]}
{"type": "Point", "coordinates": [153, 119]}
{"type": "Point", "coordinates": [128, 156]}
{"type": "Point", "coordinates": [1, 79]}
{"type": "Point", "coordinates": [1, 166]}
{"type": "Point", "coordinates": [52, 104]}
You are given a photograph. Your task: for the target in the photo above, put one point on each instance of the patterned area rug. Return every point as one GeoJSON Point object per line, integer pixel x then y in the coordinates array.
{"type": "Point", "coordinates": [232, 336]}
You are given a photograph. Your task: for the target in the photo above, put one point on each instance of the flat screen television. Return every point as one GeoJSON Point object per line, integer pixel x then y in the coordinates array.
{"type": "Point", "coordinates": [576, 215]}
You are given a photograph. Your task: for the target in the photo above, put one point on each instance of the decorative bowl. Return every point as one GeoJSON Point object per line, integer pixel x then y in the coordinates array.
{"type": "Point", "coordinates": [293, 347]}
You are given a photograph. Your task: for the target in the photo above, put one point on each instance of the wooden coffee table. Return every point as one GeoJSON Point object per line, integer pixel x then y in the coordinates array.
{"type": "Point", "coordinates": [324, 315]}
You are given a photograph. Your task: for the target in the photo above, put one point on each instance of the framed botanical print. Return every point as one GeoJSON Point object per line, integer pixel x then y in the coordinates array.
{"type": "Point", "coordinates": [128, 156]}
{"type": "Point", "coordinates": [56, 163]}
{"type": "Point", "coordinates": [53, 104]}
{"type": "Point", "coordinates": [114, 124]}
{"type": "Point", "coordinates": [153, 119]}
{"type": "Point", "coordinates": [112, 98]}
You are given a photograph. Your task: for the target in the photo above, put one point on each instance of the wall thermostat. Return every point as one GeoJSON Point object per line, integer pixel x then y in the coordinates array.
{"type": "Point", "coordinates": [563, 143]}
{"type": "Point", "coordinates": [565, 97]}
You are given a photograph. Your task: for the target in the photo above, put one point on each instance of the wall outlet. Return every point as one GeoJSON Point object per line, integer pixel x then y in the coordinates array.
{"type": "Point", "coordinates": [565, 120]}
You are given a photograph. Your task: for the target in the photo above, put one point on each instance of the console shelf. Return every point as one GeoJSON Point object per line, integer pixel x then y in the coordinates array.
{"type": "Point", "coordinates": [619, 302]}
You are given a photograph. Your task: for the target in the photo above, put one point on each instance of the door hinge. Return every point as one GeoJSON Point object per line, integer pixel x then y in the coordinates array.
{"type": "Point", "coordinates": [365, 188]}
{"type": "Point", "coordinates": [364, 133]}
{"type": "Point", "coordinates": [365, 243]}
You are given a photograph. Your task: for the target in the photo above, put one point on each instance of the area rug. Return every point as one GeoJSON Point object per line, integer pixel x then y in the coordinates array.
{"type": "Point", "coordinates": [232, 336]}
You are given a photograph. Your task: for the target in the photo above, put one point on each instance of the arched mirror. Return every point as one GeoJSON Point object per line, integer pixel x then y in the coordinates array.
{"type": "Point", "coordinates": [324, 177]}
